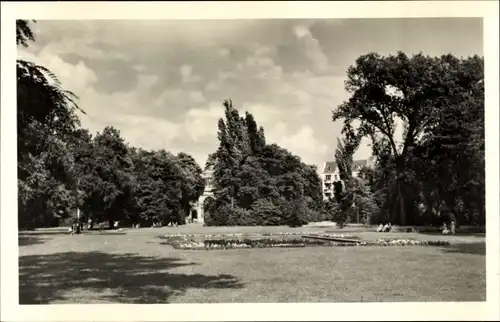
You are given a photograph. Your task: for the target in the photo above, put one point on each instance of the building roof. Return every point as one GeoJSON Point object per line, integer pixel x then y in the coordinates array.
{"type": "Point", "coordinates": [356, 164]}
{"type": "Point", "coordinates": [331, 166]}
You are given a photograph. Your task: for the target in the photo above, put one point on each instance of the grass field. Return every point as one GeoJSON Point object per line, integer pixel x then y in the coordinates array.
{"type": "Point", "coordinates": [136, 268]}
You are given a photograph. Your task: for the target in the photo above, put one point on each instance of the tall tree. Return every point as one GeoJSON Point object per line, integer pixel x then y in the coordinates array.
{"type": "Point", "coordinates": [397, 87]}
{"type": "Point", "coordinates": [106, 176]}
{"type": "Point", "coordinates": [342, 189]}
{"type": "Point", "coordinates": [454, 146]}
{"type": "Point", "coordinates": [257, 181]}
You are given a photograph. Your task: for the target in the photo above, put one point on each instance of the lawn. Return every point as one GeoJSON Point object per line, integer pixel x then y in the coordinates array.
{"type": "Point", "coordinates": [137, 267]}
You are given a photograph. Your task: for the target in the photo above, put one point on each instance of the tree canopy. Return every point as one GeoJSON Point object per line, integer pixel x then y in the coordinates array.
{"type": "Point", "coordinates": [440, 103]}
{"type": "Point", "coordinates": [263, 183]}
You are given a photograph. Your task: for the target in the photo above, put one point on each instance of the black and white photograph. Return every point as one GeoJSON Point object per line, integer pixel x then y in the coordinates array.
{"type": "Point", "coordinates": [261, 160]}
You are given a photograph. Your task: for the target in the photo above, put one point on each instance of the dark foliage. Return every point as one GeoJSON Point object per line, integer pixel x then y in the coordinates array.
{"type": "Point", "coordinates": [256, 183]}
{"type": "Point", "coordinates": [440, 102]}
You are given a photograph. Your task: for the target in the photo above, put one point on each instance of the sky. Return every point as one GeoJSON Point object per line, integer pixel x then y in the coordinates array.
{"type": "Point", "coordinates": [162, 82]}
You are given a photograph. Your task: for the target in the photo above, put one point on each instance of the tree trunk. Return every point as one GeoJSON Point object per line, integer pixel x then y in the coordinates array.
{"type": "Point", "coordinates": [402, 211]}
{"type": "Point", "coordinates": [400, 167]}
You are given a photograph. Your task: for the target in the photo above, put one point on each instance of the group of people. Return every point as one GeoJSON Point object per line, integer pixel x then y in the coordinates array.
{"type": "Point", "coordinates": [448, 231]}
{"type": "Point", "coordinates": [445, 229]}
{"type": "Point", "coordinates": [157, 224]}
{"type": "Point", "coordinates": [384, 228]}
{"type": "Point", "coordinates": [77, 227]}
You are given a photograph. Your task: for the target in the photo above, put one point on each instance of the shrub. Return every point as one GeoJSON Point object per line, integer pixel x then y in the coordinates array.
{"type": "Point", "coordinates": [298, 213]}
{"type": "Point", "coordinates": [266, 213]}
{"type": "Point", "coordinates": [316, 216]}
{"type": "Point", "coordinates": [240, 217]}
{"type": "Point", "coordinates": [336, 214]}
{"type": "Point", "coordinates": [219, 217]}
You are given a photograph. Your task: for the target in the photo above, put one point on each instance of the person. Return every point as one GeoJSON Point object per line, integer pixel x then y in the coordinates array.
{"type": "Point", "coordinates": [70, 229]}
{"type": "Point", "coordinates": [386, 228]}
{"type": "Point", "coordinates": [452, 228]}
{"type": "Point", "coordinates": [380, 228]}
{"type": "Point", "coordinates": [101, 227]}
{"type": "Point", "coordinates": [389, 228]}
{"type": "Point", "coordinates": [445, 229]}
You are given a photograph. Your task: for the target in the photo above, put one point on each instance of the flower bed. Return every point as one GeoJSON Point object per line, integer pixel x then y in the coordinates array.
{"type": "Point", "coordinates": [183, 242]}
{"type": "Point", "coordinates": [409, 242]}
{"type": "Point", "coordinates": [247, 235]}
{"type": "Point", "coordinates": [243, 243]}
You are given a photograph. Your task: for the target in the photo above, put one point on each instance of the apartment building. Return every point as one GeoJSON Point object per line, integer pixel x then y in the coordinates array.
{"type": "Point", "coordinates": [330, 174]}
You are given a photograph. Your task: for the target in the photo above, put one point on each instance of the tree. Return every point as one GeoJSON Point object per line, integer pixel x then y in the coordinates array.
{"type": "Point", "coordinates": [256, 138]}
{"type": "Point", "coordinates": [454, 147]}
{"type": "Point", "coordinates": [46, 120]}
{"type": "Point", "coordinates": [247, 171]}
{"type": "Point", "coordinates": [312, 186]}
{"type": "Point", "coordinates": [338, 191]}
{"type": "Point", "coordinates": [363, 201]}
{"type": "Point", "coordinates": [106, 176]}
{"type": "Point", "coordinates": [24, 34]}
{"type": "Point", "coordinates": [43, 107]}
{"type": "Point", "coordinates": [345, 197]}
{"type": "Point", "coordinates": [159, 188]}
{"type": "Point", "coordinates": [409, 89]}
{"type": "Point", "coordinates": [45, 190]}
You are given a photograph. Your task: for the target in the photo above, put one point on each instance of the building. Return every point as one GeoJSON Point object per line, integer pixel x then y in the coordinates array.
{"type": "Point", "coordinates": [330, 174]}
{"type": "Point", "coordinates": [198, 215]}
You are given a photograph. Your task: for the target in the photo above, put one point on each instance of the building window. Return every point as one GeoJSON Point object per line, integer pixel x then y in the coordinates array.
{"type": "Point", "coordinates": [328, 177]}
{"type": "Point", "coordinates": [336, 177]}
{"type": "Point", "coordinates": [328, 186]}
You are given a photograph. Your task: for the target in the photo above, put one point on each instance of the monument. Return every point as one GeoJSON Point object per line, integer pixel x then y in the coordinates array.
{"type": "Point", "coordinates": [198, 214]}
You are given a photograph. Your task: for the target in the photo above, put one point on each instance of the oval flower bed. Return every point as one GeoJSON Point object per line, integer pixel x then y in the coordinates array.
{"type": "Point", "coordinates": [213, 244]}
{"type": "Point", "coordinates": [242, 243]}
{"type": "Point", "coordinates": [258, 235]}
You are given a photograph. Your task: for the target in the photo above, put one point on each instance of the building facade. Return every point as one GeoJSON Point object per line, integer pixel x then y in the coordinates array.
{"type": "Point", "coordinates": [198, 214]}
{"type": "Point", "coordinates": [330, 174]}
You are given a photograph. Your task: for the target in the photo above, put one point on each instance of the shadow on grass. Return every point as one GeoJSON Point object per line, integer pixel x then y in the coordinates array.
{"type": "Point", "coordinates": [114, 278]}
{"type": "Point", "coordinates": [27, 240]}
{"type": "Point", "coordinates": [466, 248]}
